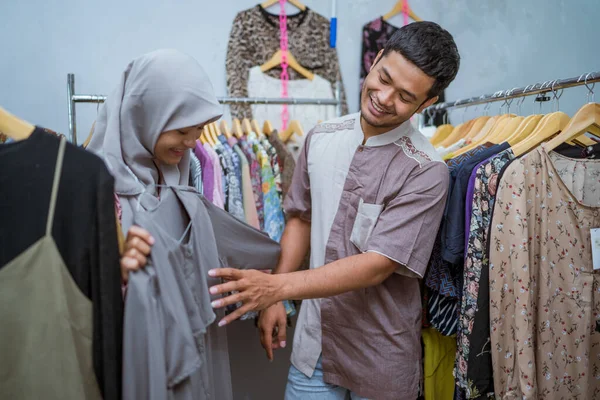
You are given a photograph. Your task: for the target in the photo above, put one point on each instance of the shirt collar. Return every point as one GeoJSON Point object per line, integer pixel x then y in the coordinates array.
{"type": "Point", "coordinates": [385, 138]}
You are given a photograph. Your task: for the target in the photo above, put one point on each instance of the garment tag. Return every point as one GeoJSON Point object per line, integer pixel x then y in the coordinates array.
{"type": "Point", "coordinates": [595, 234]}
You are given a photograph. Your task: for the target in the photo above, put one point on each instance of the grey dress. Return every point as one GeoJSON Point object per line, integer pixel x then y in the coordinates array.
{"type": "Point", "coordinates": [173, 348]}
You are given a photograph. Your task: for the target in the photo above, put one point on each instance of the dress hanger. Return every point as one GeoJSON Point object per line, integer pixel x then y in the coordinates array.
{"type": "Point", "coordinates": [277, 58]}
{"type": "Point", "coordinates": [397, 9]}
{"type": "Point", "coordinates": [459, 132]}
{"type": "Point", "coordinates": [256, 128]}
{"type": "Point", "coordinates": [526, 128]}
{"type": "Point", "coordinates": [246, 127]}
{"type": "Point", "coordinates": [294, 127]}
{"type": "Point", "coordinates": [441, 133]}
{"type": "Point", "coordinates": [14, 127]}
{"type": "Point", "coordinates": [587, 119]}
{"type": "Point", "coordinates": [237, 128]}
{"type": "Point", "coordinates": [267, 128]}
{"type": "Point", "coordinates": [225, 129]}
{"type": "Point", "coordinates": [89, 138]}
{"type": "Point", "coordinates": [295, 3]}
{"type": "Point", "coordinates": [553, 124]}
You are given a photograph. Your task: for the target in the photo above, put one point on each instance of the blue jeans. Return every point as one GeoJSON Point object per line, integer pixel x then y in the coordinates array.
{"type": "Point", "coordinates": [301, 387]}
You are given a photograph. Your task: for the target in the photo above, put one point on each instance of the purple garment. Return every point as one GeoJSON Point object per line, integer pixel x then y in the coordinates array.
{"type": "Point", "coordinates": [208, 171]}
{"type": "Point", "coordinates": [469, 202]}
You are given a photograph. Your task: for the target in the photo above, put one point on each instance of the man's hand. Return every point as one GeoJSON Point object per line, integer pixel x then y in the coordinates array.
{"type": "Point", "coordinates": [272, 326]}
{"type": "Point", "coordinates": [256, 290]}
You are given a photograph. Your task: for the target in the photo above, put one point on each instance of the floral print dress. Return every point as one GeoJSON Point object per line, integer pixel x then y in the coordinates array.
{"type": "Point", "coordinates": [544, 298]}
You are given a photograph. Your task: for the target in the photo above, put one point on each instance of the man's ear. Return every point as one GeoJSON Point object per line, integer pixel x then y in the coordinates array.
{"type": "Point", "coordinates": [379, 55]}
{"type": "Point", "coordinates": [429, 102]}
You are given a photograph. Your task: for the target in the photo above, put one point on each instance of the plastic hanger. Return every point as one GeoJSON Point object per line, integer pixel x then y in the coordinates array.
{"type": "Point", "coordinates": [587, 119]}
{"type": "Point", "coordinates": [397, 9]}
{"type": "Point", "coordinates": [294, 127]}
{"type": "Point", "coordinates": [555, 123]}
{"type": "Point", "coordinates": [267, 128]}
{"type": "Point", "coordinates": [295, 3]}
{"type": "Point", "coordinates": [14, 127]}
{"type": "Point", "coordinates": [276, 60]}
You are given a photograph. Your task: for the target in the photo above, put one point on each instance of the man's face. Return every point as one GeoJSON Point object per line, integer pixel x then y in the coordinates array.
{"type": "Point", "coordinates": [393, 91]}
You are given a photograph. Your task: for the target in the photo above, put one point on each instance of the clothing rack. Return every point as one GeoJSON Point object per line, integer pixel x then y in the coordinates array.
{"type": "Point", "coordinates": [97, 99]}
{"type": "Point", "coordinates": [538, 88]}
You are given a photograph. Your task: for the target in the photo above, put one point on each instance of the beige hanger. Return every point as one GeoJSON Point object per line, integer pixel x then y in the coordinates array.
{"type": "Point", "coordinates": [276, 60]}
{"type": "Point", "coordinates": [89, 138]}
{"type": "Point", "coordinates": [476, 128]}
{"type": "Point", "coordinates": [525, 129]}
{"type": "Point", "coordinates": [397, 9]}
{"type": "Point", "coordinates": [14, 127]}
{"type": "Point", "coordinates": [237, 128]}
{"type": "Point", "coordinates": [295, 3]}
{"type": "Point", "coordinates": [256, 127]}
{"type": "Point", "coordinates": [555, 123]}
{"type": "Point", "coordinates": [441, 133]}
{"type": "Point", "coordinates": [294, 127]}
{"type": "Point", "coordinates": [247, 127]}
{"type": "Point", "coordinates": [587, 119]}
{"type": "Point", "coordinates": [267, 128]}
{"type": "Point", "coordinates": [225, 129]}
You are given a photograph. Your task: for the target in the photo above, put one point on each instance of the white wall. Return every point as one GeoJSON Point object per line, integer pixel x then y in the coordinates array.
{"type": "Point", "coordinates": [503, 44]}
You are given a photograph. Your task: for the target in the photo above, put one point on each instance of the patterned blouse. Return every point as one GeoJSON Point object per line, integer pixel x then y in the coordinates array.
{"type": "Point", "coordinates": [544, 297]}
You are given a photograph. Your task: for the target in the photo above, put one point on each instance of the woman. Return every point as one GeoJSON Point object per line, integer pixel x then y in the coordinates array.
{"type": "Point", "coordinates": [144, 133]}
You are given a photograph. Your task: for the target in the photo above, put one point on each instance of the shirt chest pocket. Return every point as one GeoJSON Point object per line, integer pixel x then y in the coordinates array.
{"type": "Point", "coordinates": [366, 219]}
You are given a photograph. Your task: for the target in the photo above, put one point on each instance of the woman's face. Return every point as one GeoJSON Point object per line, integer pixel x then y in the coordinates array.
{"type": "Point", "coordinates": [172, 145]}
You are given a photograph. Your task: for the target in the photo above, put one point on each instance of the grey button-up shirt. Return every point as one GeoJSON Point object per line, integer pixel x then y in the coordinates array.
{"type": "Point", "coordinates": [172, 348]}
{"type": "Point", "coordinates": [386, 196]}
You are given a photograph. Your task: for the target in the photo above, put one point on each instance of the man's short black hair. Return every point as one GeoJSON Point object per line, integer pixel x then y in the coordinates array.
{"type": "Point", "coordinates": [429, 47]}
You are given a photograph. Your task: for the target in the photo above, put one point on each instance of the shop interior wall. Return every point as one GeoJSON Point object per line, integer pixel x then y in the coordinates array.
{"type": "Point", "coordinates": [503, 44]}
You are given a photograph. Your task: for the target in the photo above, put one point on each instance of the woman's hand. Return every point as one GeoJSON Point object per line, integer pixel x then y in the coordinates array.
{"type": "Point", "coordinates": [256, 290]}
{"type": "Point", "coordinates": [137, 248]}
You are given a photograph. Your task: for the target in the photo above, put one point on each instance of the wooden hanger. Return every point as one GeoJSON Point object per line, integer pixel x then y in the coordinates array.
{"type": "Point", "coordinates": [89, 138]}
{"type": "Point", "coordinates": [441, 133]}
{"type": "Point", "coordinates": [587, 119]}
{"type": "Point", "coordinates": [476, 128]}
{"type": "Point", "coordinates": [525, 129]}
{"type": "Point", "coordinates": [484, 134]}
{"type": "Point", "coordinates": [225, 129]}
{"type": "Point", "coordinates": [508, 130]}
{"type": "Point", "coordinates": [397, 9]}
{"type": "Point", "coordinates": [458, 133]}
{"type": "Point", "coordinates": [267, 128]}
{"type": "Point", "coordinates": [14, 127]}
{"type": "Point", "coordinates": [237, 128]}
{"type": "Point", "coordinates": [256, 127]}
{"type": "Point", "coordinates": [246, 127]}
{"type": "Point", "coordinates": [295, 3]}
{"type": "Point", "coordinates": [294, 127]}
{"type": "Point", "coordinates": [205, 136]}
{"type": "Point", "coordinates": [275, 61]}
{"type": "Point", "coordinates": [213, 134]}
{"type": "Point", "coordinates": [555, 123]}
{"type": "Point", "coordinates": [202, 138]}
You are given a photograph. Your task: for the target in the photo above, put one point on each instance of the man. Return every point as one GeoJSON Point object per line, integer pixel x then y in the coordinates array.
{"type": "Point", "coordinates": [368, 192]}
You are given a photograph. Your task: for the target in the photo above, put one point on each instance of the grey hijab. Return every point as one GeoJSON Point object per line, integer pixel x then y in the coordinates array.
{"type": "Point", "coordinates": [159, 91]}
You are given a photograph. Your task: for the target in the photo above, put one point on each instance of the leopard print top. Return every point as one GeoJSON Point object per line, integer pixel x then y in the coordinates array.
{"type": "Point", "coordinates": [254, 39]}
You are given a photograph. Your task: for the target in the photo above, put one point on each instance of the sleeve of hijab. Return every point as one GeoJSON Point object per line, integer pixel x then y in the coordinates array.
{"type": "Point", "coordinates": [240, 245]}
{"type": "Point", "coordinates": [238, 61]}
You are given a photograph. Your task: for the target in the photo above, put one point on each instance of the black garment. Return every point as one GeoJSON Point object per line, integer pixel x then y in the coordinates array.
{"type": "Point", "coordinates": [84, 230]}
{"type": "Point", "coordinates": [453, 225]}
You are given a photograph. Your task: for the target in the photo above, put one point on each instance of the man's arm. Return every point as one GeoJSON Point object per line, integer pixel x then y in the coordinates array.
{"type": "Point", "coordinates": [259, 291]}
{"type": "Point", "coordinates": [294, 245]}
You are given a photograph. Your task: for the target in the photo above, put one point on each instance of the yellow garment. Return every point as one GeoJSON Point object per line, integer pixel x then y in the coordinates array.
{"type": "Point", "coordinates": [440, 353]}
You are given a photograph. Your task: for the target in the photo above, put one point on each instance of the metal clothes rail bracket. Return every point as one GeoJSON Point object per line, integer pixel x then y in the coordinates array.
{"type": "Point", "coordinates": [93, 98]}
{"type": "Point", "coordinates": [538, 88]}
